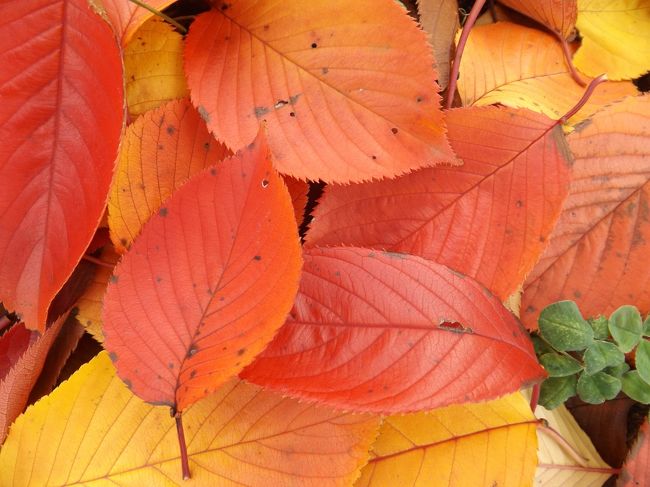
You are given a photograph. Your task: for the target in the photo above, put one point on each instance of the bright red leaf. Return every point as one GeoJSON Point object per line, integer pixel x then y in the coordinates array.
{"type": "Point", "coordinates": [346, 89]}
{"type": "Point", "coordinates": [13, 344]}
{"type": "Point", "coordinates": [635, 469]}
{"type": "Point", "coordinates": [386, 332]}
{"type": "Point", "coordinates": [60, 123]}
{"type": "Point", "coordinates": [598, 253]}
{"type": "Point", "coordinates": [207, 284]}
{"type": "Point", "coordinates": [488, 218]}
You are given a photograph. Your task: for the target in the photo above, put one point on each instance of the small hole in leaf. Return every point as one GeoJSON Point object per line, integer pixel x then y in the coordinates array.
{"type": "Point", "coordinates": [314, 45]}
{"type": "Point", "coordinates": [265, 183]}
{"type": "Point", "coordinates": [394, 130]}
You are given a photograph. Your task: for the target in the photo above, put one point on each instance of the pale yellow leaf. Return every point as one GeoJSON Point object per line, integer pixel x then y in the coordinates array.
{"type": "Point", "coordinates": [439, 19]}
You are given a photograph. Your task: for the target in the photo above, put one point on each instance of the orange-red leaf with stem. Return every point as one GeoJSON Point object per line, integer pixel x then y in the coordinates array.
{"type": "Point", "coordinates": [386, 332]}
{"type": "Point", "coordinates": [488, 218]}
{"type": "Point", "coordinates": [126, 17]}
{"type": "Point", "coordinates": [60, 124]}
{"type": "Point", "coordinates": [207, 283]}
{"type": "Point", "coordinates": [598, 252]}
{"type": "Point", "coordinates": [636, 470]}
{"type": "Point", "coordinates": [346, 89]}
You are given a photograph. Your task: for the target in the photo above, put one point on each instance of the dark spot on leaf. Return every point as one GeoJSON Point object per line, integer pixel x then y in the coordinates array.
{"type": "Point", "coordinates": [193, 374]}
{"type": "Point", "coordinates": [123, 242]}
{"type": "Point", "coordinates": [204, 114]}
{"type": "Point", "coordinates": [530, 309]}
{"type": "Point", "coordinates": [213, 171]}
{"type": "Point", "coordinates": [132, 77]}
{"type": "Point", "coordinates": [519, 203]}
{"type": "Point", "coordinates": [293, 99]}
{"type": "Point", "coordinates": [257, 257]}
{"type": "Point", "coordinates": [241, 351]}
{"type": "Point", "coordinates": [192, 351]}
{"type": "Point", "coordinates": [163, 212]}
{"type": "Point", "coordinates": [171, 129]}
{"type": "Point", "coordinates": [224, 6]}
{"type": "Point", "coordinates": [266, 26]}
{"type": "Point", "coordinates": [112, 356]}
{"type": "Point", "coordinates": [222, 298]}
{"type": "Point", "coordinates": [577, 294]}
{"type": "Point", "coordinates": [172, 412]}
{"type": "Point", "coordinates": [370, 391]}
{"type": "Point", "coordinates": [170, 365]}
{"type": "Point", "coordinates": [127, 383]}
{"type": "Point", "coordinates": [419, 99]}
{"type": "Point", "coordinates": [325, 70]}
{"type": "Point", "coordinates": [374, 158]}
{"type": "Point", "coordinates": [158, 279]}
{"type": "Point", "coordinates": [542, 239]}
{"type": "Point", "coordinates": [394, 130]}
{"type": "Point", "coordinates": [454, 326]}
{"type": "Point", "coordinates": [260, 111]}
{"type": "Point", "coordinates": [114, 279]}
{"type": "Point", "coordinates": [314, 45]}
{"type": "Point", "coordinates": [292, 114]}
{"type": "Point", "coordinates": [224, 349]}
{"type": "Point", "coordinates": [206, 146]}
{"type": "Point", "coordinates": [265, 183]}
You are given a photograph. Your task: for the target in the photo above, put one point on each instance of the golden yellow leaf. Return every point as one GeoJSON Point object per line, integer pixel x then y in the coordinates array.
{"type": "Point", "coordinates": [615, 38]}
{"type": "Point", "coordinates": [557, 15]}
{"type": "Point", "coordinates": [491, 443]}
{"type": "Point", "coordinates": [90, 303]}
{"type": "Point", "coordinates": [153, 67]}
{"type": "Point", "coordinates": [525, 68]}
{"type": "Point", "coordinates": [93, 431]}
{"type": "Point", "coordinates": [439, 19]}
{"type": "Point", "coordinates": [557, 464]}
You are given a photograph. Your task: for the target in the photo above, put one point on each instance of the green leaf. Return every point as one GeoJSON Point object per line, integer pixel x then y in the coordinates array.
{"type": "Point", "coordinates": [617, 370]}
{"type": "Point", "coordinates": [556, 390]}
{"type": "Point", "coordinates": [625, 326]}
{"type": "Point", "coordinates": [558, 365]}
{"type": "Point", "coordinates": [600, 355]}
{"type": "Point", "coordinates": [598, 388]}
{"type": "Point", "coordinates": [646, 326]}
{"type": "Point", "coordinates": [635, 387]}
{"type": "Point", "coordinates": [541, 347]}
{"type": "Point", "coordinates": [643, 360]}
{"type": "Point", "coordinates": [562, 325]}
{"type": "Point", "coordinates": [600, 325]}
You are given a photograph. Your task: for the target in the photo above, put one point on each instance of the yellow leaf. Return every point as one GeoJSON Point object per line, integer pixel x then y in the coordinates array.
{"type": "Point", "coordinates": [90, 303]}
{"type": "Point", "coordinates": [557, 15]}
{"type": "Point", "coordinates": [93, 431]}
{"type": "Point", "coordinates": [615, 38]}
{"type": "Point", "coordinates": [491, 443]}
{"type": "Point", "coordinates": [525, 68]}
{"type": "Point", "coordinates": [153, 67]}
{"type": "Point", "coordinates": [557, 464]}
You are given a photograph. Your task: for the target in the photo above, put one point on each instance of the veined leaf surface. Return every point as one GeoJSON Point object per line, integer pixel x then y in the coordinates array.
{"type": "Point", "coordinates": [346, 89]}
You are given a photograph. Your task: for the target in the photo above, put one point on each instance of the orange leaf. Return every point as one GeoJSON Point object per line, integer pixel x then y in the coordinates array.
{"type": "Point", "coordinates": [557, 15]}
{"type": "Point", "coordinates": [487, 444]}
{"type": "Point", "coordinates": [160, 151]}
{"type": "Point", "coordinates": [126, 17]}
{"type": "Point", "coordinates": [525, 68]}
{"type": "Point", "coordinates": [598, 253]}
{"type": "Point", "coordinates": [59, 141]}
{"type": "Point", "coordinates": [346, 89]}
{"type": "Point", "coordinates": [399, 333]}
{"type": "Point", "coordinates": [488, 218]}
{"type": "Point", "coordinates": [635, 471]}
{"type": "Point", "coordinates": [207, 284]}
{"type": "Point", "coordinates": [439, 19]}
{"type": "Point", "coordinates": [298, 190]}
{"type": "Point", "coordinates": [17, 383]}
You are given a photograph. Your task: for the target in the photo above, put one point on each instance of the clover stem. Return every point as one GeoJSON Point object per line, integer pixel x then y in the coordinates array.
{"type": "Point", "coordinates": [154, 11]}
{"type": "Point", "coordinates": [185, 465]}
{"type": "Point", "coordinates": [569, 61]}
{"type": "Point", "coordinates": [585, 98]}
{"type": "Point", "coordinates": [534, 397]}
{"type": "Point", "coordinates": [469, 23]}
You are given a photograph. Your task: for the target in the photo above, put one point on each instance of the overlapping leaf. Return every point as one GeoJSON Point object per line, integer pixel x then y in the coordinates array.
{"type": "Point", "coordinates": [17, 383]}
{"type": "Point", "coordinates": [615, 38]}
{"type": "Point", "coordinates": [557, 15]}
{"type": "Point", "coordinates": [488, 218]}
{"type": "Point", "coordinates": [635, 470]}
{"type": "Point", "coordinates": [492, 443]}
{"type": "Point", "coordinates": [59, 142]}
{"type": "Point", "coordinates": [439, 19]}
{"type": "Point", "coordinates": [386, 332]}
{"type": "Point", "coordinates": [598, 252]}
{"type": "Point", "coordinates": [127, 17]}
{"type": "Point", "coordinates": [298, 190]}
{"type": "Point", "coordinates": [522, 67]}
{"type": "Point", "coordinates": [160, 151]}
{"type": "Point", "coordinates": [207, 284]}
{"type": "Point", "coordinates": [572, 460]}
{"type": "Point", "coordinates": [346, 89]}
{"type": "Point", "coordinates": [153, 67]}
{"type": "Point", "coordinates": [93, 430]}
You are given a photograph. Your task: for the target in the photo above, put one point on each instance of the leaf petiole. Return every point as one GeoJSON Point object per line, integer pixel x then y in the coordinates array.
{"type": "Point", "coordinates": [185, 465]}
{"type": "Point", "coordinates": [585, 98]}
{"type": "Point", "coordinates": [154, 11]}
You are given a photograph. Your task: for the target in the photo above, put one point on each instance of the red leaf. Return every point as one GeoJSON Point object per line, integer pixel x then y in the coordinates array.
{"type": "Point", "coordinates": [346, 89]}
{"type": "Point", "coordinates": [207, 284]}
{"type": "Point", "coordinates": [488, 218]}
{"type": "Point", "coordinates": [635, 472]}
{"type": "Point", "coordinates": [13, 344]}
{"type": "Point", "coordinates": [60, 123]}
{"type": "Point", "coordinates": [16, 385]}
{"type": "Point", "coordinates": [598, 253]}
{"type": "Point", "coordinates": [126, 17]}
{"type": "Point", "coordinates": [382, 321]}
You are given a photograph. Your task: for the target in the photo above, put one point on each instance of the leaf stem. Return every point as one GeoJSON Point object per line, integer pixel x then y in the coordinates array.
{"type": "Point", "coordinates": [185, 465]}
{"type": "Point", "coordinates": [569, 61]}
{"type": "Point", "coordinates": [611, 470]}
{"type": "Point", "coordinates": [97, 261]}
{"type": "Point", "coordinates": [4, 322]}
{"type": "Point", "coordinates": [534, 397]}
{"type": "Point", "coordinates": [154, 11]}
{"type": "Point", "coordinates": [566, 446]}
{"type": "Point", "coordinates": [469, 23]}
{"type": "Point", "coordinates": [585, 97]}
